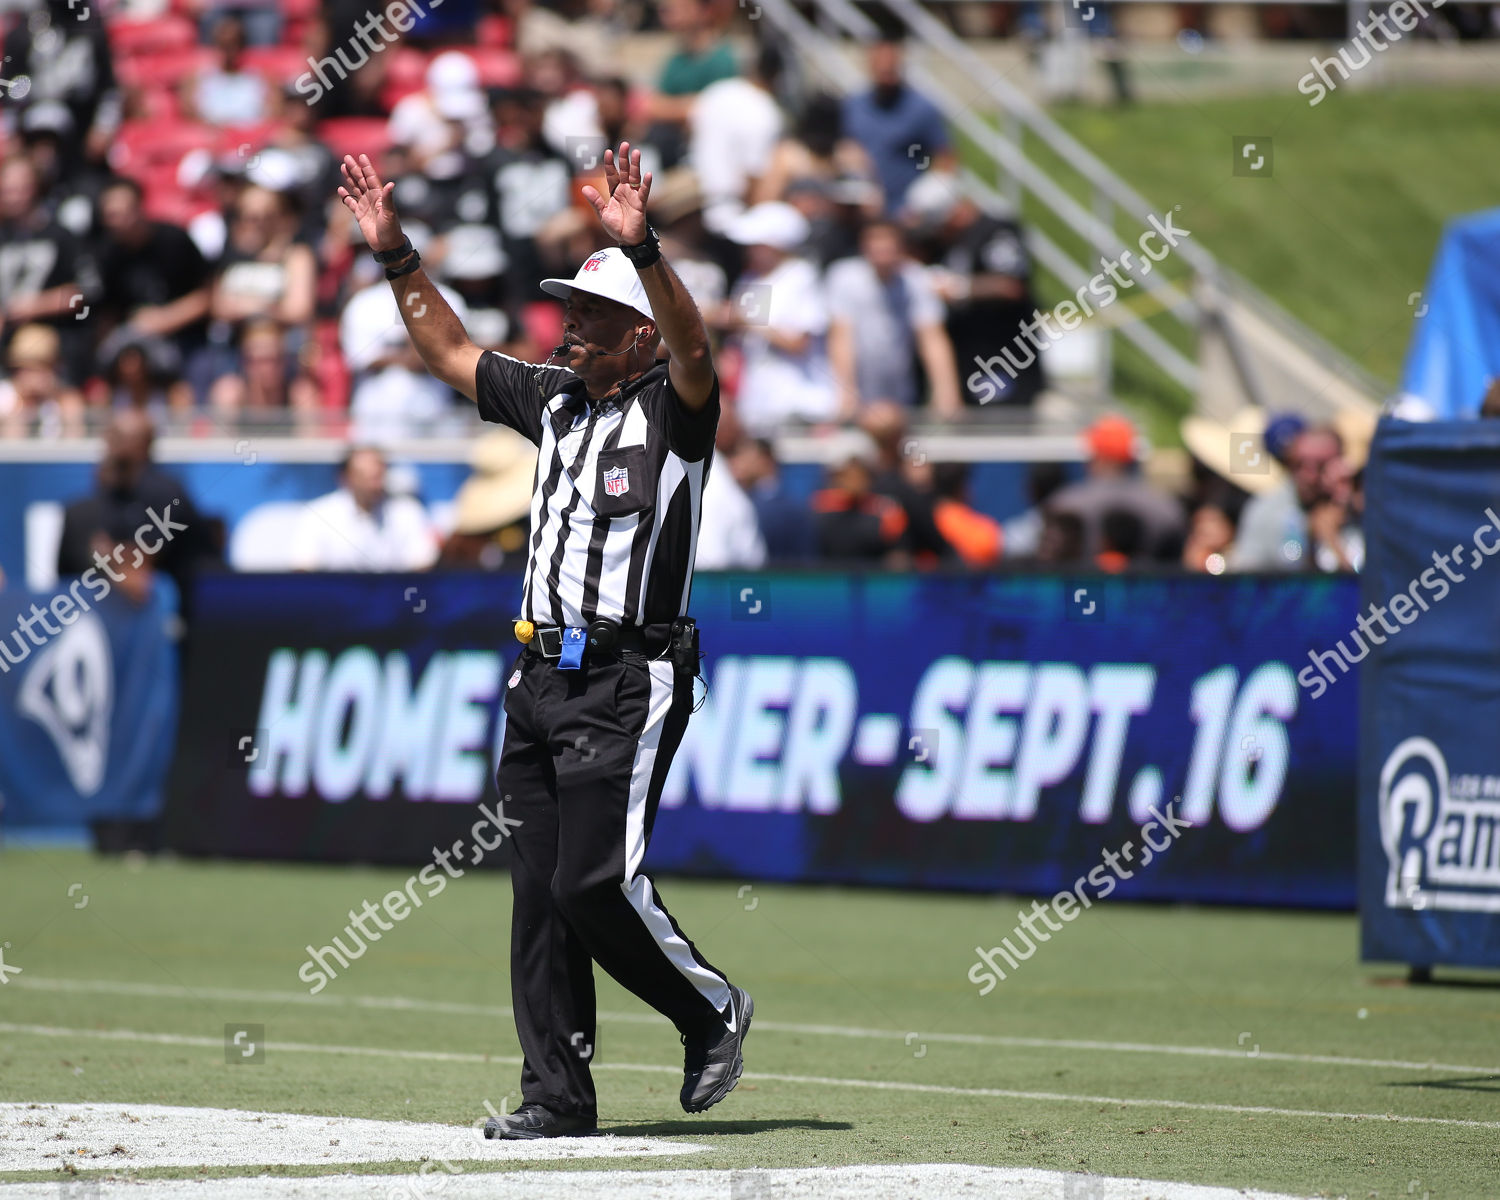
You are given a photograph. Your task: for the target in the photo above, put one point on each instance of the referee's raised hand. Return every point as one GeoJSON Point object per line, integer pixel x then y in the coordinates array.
{"type": "Point", "coordinates": [371, 202]}
{"type": "Point", "coordinates": [623, 211]}
{"type": "Point", "coordinates": [435, 330]}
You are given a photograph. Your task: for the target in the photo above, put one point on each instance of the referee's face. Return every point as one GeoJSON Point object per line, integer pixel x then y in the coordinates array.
{"type": "Point", "coordinates": [595, 330]}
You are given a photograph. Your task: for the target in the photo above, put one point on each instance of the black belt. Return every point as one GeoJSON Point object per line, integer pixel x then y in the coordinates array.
{"type": "Point", "coordinates": [546, 642]}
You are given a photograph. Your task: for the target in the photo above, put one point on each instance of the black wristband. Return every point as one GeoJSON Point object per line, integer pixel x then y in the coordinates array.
{"type": "Point", "coordinates": [643, 254]}
{"type": "Point", "coordinates": [384, 257]}
{"type": "Point", "coordinates": [406, 268]}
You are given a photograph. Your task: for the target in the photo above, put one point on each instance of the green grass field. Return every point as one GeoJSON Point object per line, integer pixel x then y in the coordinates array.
{"type": "Point", "coordinates": [1342, 231]}
{"type": "Point", "coordinates": [1107, 1052]}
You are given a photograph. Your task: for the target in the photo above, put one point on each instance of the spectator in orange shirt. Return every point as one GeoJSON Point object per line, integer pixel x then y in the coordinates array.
{"type": "Point", "coordinates": [976, 537]}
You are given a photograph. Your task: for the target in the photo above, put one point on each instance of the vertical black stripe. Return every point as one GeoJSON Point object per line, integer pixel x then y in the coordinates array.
{"type": "Point", "coordinates": [554, 477]}
{"type": "Point", "coordinates": [638, 545]}
{"type": "Point", "coordinates": [669, 570]}
{"type": "Point", "coordinates": [656, 579]}
{"type": "Point", "coordinates": [594, 568]}
{"type": "Point", "coordinates": [554, 571]}
{"type": "Point", "coordinates": [554, 593]}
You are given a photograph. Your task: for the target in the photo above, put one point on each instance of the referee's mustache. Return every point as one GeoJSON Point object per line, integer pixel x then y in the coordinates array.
{"type": "Point", "coordinates": [572, 340]}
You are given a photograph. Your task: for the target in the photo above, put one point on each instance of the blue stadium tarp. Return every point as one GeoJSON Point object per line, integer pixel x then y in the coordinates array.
{"type": "Point", "coordinates": [1455, 351]}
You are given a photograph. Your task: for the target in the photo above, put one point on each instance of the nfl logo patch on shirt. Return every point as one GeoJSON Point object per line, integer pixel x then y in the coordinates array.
{"type": "Point", "coordinates": [616, 481]}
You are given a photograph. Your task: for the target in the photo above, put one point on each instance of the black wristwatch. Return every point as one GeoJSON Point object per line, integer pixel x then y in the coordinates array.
{"type": "Point", "coordinates": [644, 253]}
{"type": "Point", "coordinates": [386, 257]}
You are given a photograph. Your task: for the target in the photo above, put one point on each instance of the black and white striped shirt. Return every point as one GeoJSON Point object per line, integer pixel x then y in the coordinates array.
{"type": "Point", "coordinates": [618, 490]}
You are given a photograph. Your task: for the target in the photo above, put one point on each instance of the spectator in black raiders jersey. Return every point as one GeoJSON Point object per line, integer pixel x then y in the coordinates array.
{"type": "Point", "coordinates": [982, 272]}
{"type": "Point", "coordinates": [314, 168]}
{"type": "Point", "coordinates": [40, 268]}
{"type": "Point", "coordinates": [265, 272]}
{"type": "Point", "coordinates": [68, 186]}
{"type": "Point", "coordinates": [153, 281]}
{"type": "Point", "coordinates": [62, 48]}
{"type": "Point", "coordinates": [530, 184]}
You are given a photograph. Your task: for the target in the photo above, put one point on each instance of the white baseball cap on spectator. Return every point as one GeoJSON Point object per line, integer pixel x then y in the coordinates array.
{"type": "Point", "coordinates": [930, 198]}
{"type": "Point", "coordinates": [607, 273]}
{"type": "Point", "coordinates": [452, 71]}
{"type": "Point", "coordinates": [273, 169]}
{"type": "Point", "coordinates": [460, 104]}
{"type": "Point", "coordinates": [774, 223]}
{"type": "Point", "coordinates": [453, 80]}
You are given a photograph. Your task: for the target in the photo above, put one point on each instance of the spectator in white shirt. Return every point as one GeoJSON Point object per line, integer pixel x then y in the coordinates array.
{"type": "Point", "coordinates": [884, 314]}
{"type": "Point", "coordinates": [779, 313]}
{"type": "Point", "coordinates": [735, 126]}
{"type": "Point", "coordinates": [227, 94]}
{"type": "Point", "coordinates": [394, 396]}
{"type": "Point", "coordinates": [729, 537]}
{"type": "Point", "coordinates": [362, 528]}
{"type": "Point", "coordinates": [449, 113]}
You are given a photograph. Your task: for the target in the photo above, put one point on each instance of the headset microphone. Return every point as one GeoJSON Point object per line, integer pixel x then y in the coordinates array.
{"type": "Point", "coordinates": [562, 348]}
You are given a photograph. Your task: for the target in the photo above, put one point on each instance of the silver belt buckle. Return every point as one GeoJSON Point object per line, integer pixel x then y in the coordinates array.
{"type": "Point", "coordinates": [549, 643]}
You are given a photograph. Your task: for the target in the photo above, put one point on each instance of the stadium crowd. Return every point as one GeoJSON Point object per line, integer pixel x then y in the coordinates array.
{"type": "Point", "coordinates": [171, 247]}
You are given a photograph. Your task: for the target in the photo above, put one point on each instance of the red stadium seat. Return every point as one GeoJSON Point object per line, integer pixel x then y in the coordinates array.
{"type": "Point", "coordinates": [159, 104]}
{"type": "Point", "coordinates": [133, 38]}
{"type": "Point", "coordinates": [164, 67]}
{"type": "Point", "coordinates": [143, 145]}
{"type": "Point", "coordinates": [493, 32]}
{"type": "Point", "coordinates": [246, 139]}
{"type": "Point", "coordinates": [279, 64]}
{"type": "Point", "coordinates": [497, 68]}
{"type": "Point", "coordinates": [355, 135]}
{"type": "Point", "coordinates": [408, 69]}
{"type": "Point", "coordinates": [331, 372]}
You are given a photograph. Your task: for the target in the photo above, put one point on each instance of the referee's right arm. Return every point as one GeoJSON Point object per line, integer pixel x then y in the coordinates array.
{"type": "Point", "coordinates": [436, 332]}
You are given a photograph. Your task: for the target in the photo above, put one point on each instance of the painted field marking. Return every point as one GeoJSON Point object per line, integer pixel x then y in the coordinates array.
{"type": "Point", "coordinates": [178, 1039]}
{"type": "Point", "coordinates": [417, 1004]}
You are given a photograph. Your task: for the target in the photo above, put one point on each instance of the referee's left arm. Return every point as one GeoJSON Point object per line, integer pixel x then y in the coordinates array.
{"type": "Point", "coordinates": [690, 364]}
{"type": "Point", "coordinates": [622, 212]}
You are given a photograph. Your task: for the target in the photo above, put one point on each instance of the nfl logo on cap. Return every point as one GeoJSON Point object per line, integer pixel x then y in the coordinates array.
{"type": "Point", "coordinates": [616, 481]}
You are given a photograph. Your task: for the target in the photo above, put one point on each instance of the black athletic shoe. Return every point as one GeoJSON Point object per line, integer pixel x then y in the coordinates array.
{"type": "Point", "coordinates": [534, 1121]}
{"type": "Point", "coordinates": [711, 1068]}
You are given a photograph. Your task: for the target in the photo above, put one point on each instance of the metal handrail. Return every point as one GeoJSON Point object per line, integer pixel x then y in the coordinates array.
{"type": "Point", "coordinates": [1107, 184]}
{"type": "Point", "coordinates": [823, 54]}
{"type": "Point", "coordinates": [1109, 190]}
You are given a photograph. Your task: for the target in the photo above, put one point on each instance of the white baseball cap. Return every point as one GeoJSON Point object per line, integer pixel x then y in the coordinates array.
{"type": "Point", "coordinates": [774, 223]}
{"type": "Point", "coordinates": [606, 273]}
{"type": "Point", "coordinates": [452, 71]}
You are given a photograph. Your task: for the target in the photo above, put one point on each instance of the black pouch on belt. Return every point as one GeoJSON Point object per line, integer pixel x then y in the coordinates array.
{"type": "Point", "coordinates": [685, 644]}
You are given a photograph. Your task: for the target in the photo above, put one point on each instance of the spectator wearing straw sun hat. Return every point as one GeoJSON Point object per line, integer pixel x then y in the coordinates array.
{"type": "Point", "coordinates": [491, 512]}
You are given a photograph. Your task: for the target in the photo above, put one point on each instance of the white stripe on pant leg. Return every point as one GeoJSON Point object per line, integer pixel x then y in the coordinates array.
{"type": "Point", "coordinates": [638, 889]}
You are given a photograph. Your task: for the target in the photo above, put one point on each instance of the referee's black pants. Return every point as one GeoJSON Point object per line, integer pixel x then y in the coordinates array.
{"type": "Point", "coordinates": [585, 756]}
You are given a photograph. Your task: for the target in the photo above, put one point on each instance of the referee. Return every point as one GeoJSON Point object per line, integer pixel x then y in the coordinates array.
{"type": "Point", "coordinates": [600, 694]}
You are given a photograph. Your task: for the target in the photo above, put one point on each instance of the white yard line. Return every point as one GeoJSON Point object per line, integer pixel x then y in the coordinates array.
{"type": "Point", "coordinates": [417, 1004]}
{"type": "Point", "coordinates": [272, 1048]}
{"type": "Point", "coordinates": [914, 1181]}
{"type": "Point", "coordinates": [112, 1137]}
